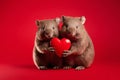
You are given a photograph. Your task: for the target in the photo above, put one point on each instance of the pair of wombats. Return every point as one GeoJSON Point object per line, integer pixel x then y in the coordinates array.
{"type": "Point", "coordinates": [79, 56]}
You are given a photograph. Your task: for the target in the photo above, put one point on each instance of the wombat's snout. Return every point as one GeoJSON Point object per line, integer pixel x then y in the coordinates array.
{"type": "Point", "coordinates": [48, 33]}
{"type": "Point", "coordinates": [71, 31]}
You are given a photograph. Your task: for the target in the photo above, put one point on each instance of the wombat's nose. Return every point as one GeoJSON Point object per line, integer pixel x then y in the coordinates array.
{"type": "Point", "coordinates": [48, 36]}
{"type": "Point", "coordinates": [69, 30]}
{"type": "Point", "coordinates": [46, 33]}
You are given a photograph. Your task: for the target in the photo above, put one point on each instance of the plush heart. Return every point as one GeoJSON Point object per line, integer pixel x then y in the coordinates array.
{"type": "Point", "coordinates": [60, 45]}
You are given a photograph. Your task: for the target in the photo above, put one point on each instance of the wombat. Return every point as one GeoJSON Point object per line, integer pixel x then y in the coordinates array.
{"type": "Point", "coordinates": [81, 53]}
{"type": "Point", "coordinates": [44, 55]}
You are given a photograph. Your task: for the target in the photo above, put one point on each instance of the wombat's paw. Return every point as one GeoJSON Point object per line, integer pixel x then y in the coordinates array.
{"type": "Point", "coordinates": [56, 67]}
{"type": "Point", "coordinates": [80, 68]}
{"type": "Point", "coordinates": [67, 67]}
{"type": "Point", "coordinates": [42, 67]}
{"type": "Point", "coordinates": [51, 49]}
{"type": "Point", "coordinates": [66, 53]}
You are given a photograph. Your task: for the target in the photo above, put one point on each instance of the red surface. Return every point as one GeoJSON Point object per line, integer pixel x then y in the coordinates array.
{"type": "Point", "coordinates": [60, 45]}
{"type": "Point", "coordinates": [17, 32]}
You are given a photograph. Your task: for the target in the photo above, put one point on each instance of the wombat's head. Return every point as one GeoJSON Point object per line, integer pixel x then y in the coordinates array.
{"type": "Point", "coordinates": [72, 26]}
{"type": "Point", "coordinates": [47, 29]}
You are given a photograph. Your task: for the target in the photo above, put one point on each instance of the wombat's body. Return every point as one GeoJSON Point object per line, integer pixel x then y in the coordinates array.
{"type": "Point", "coordinates": [44, 55]}
{"type": "Point", "coordinates": [81, 53]}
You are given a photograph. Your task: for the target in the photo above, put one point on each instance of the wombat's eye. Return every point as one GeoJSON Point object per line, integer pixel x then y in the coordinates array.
{"type": "Point", "coordinates": [76, 26]}
{"type": "Point", "coordinates": [53, 27]}
{"type": "Point", "coordinates": [66, 25]}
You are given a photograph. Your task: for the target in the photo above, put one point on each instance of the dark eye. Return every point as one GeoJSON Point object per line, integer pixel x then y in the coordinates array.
{"type": "Point", "coordinates": [66, 25]}
{"type": "Point", "coordinates": [43, 27]}
{"type": "Point", "coordinates": [53, 27]}
{"type": "Point", "coordinates": [76, 26]}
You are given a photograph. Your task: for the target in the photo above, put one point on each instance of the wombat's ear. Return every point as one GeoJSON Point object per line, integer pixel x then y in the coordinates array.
{"type": "Point", "coordinates": [37, 22]}
{"type": "Point", "coordinates": [57, 20]}
{"type": "Point", "coordinates": [63, 18]}
{"type": "Point", "coordinates": [82, 19]}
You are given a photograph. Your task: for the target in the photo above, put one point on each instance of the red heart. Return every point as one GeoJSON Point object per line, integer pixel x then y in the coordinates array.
{"type": "Point", "coordinates": [60, 45]}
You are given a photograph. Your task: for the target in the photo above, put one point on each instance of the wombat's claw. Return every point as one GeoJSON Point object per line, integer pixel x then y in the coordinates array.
{"type": "Point", "coordinates": [80, 68]}
{"type": "Point", "coordinates": [67, 51]}
{"type": "Point", "coordinates": [65, 54]}
{"type": "Point", "coordinates": [67, 67]}
{"type": "Point", "coordinates": [42, 67]}
{"type": "Point", "coordinates": [56, 67]}
{"type": "Point", "coordinates": [51, 49]}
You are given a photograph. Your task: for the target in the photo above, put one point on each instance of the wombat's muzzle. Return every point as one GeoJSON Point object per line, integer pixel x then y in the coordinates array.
{"type": "Point", "coordinates": [71, 31]}
{"type": "Point", "coordinates": [48, 33]}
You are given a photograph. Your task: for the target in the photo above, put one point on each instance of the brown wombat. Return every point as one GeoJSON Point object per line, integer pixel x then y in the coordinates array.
{"type": "Point", "coordinates": [81, 53]}
{"type": "Point", "coordinates": [43, 54]}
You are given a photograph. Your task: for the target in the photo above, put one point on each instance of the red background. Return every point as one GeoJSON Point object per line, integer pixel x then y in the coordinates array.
{"type": "Point", "coordinates": [17, 32]}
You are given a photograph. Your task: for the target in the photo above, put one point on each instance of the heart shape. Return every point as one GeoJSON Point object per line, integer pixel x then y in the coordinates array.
{"type": "Point", "coordinates": [60, 45]}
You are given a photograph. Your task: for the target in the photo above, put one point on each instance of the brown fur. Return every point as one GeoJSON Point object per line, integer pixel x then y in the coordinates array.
{"type": "Point", "coordinates": [81, 53]}
{"type": "Point", "coordinates": [43, 54]}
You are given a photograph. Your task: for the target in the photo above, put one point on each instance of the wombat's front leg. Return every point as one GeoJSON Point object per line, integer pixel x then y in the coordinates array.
{"type": "Point", "coordinates": [43, 47]}
{"type": "Point", "coordinates": [73, 50]}
{"type": "Point", "coordinates": [39, 46]}
{"type": "Point", "coordinates": [66, 53]}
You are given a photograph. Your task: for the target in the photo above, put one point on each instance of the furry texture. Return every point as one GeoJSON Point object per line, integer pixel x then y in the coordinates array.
{"type": "Point", "coordinates": [81, 53]}
{"type": "Point", "coordinates": [44, 55]}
